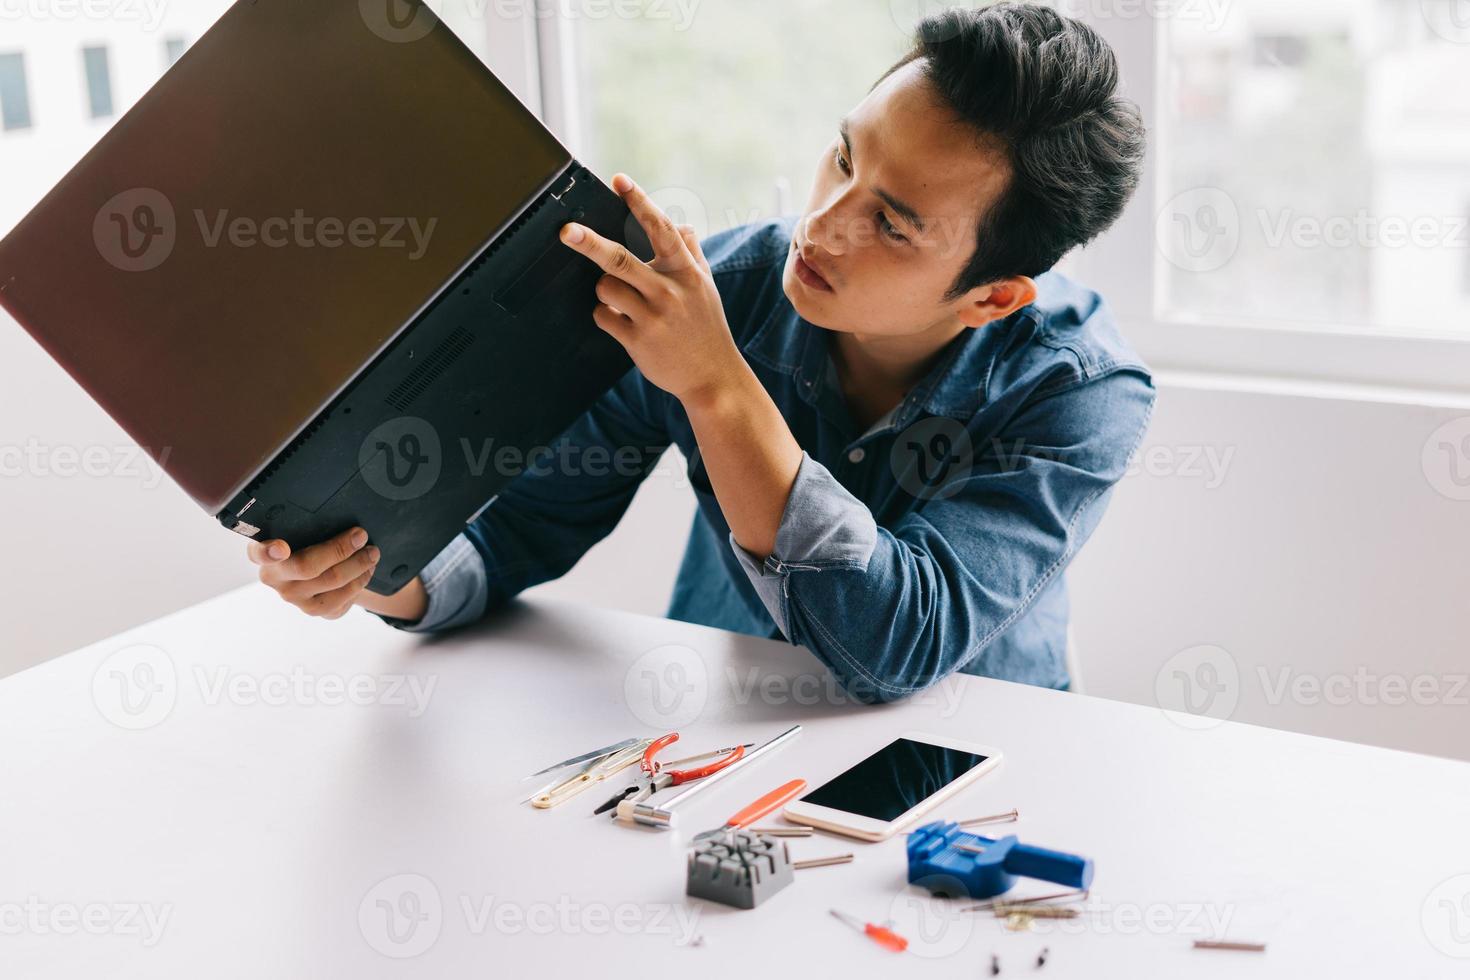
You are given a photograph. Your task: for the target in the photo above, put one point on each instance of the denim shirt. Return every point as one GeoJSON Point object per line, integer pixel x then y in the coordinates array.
{"type": "Point", "coordinates": [933, 541]}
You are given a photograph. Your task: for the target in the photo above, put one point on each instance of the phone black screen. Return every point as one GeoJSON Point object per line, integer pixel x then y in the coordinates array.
{"type": "Point", "coordinates": [895, 779]}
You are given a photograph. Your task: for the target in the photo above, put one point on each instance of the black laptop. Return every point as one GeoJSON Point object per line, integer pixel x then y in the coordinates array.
{"type": "Point", "coordinates": [315, 274]}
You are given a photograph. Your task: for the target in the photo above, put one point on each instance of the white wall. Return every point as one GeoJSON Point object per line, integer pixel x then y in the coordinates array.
{"type": "Point", "coordinates": [1329, 544]}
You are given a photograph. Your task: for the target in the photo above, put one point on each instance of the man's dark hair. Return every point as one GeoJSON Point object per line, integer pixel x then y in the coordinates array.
{"type": "Point", "coordinates": [1044, 88]}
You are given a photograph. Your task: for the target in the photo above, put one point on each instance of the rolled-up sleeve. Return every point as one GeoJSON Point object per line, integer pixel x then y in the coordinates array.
{"type": "Point", "coordinates": [823, 526]}
{"type": "Point", "coordinates": [457, 586]}
{"type": "Point", "coordinates": [893, 608]}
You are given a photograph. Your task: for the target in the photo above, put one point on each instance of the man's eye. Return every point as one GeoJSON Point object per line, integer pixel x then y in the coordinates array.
{"type": "Point", "coordinates": [889, 228]}
{"type": "Point", "coordinates": [841, 163]}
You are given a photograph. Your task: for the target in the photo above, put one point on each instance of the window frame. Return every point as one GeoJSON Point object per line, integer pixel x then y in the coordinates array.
{"type": "Point", "coordinates": [1124, 264]}
{"type": "Point", "coordinates": [1286, 350]}
{"type": "Point", "coordinates": [27, 108]}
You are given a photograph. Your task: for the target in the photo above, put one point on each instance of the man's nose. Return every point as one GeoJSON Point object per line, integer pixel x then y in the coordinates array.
{"type": "Point", "coordinates": [824, 232]}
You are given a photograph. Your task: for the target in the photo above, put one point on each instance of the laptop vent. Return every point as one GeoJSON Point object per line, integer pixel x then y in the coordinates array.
{"type": "Point", "coordinates": [419, 379]}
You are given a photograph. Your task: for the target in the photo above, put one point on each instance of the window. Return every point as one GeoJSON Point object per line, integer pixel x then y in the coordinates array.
{"type": "Point", "coordinates": [1315, 164]}
{"type": "Point", "coordinates": [724, 116]}
{"type": "Point", "coordinates": [173, 50]}
{"type": "Point", "coordinates": [99, 82]}
{"type": "Point", "coordinates": [15, 97]}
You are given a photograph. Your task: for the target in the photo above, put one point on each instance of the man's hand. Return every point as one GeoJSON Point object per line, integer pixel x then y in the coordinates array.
{"type": "Point", "coordinates": [327, 579]}
{"type": "Point", "coordinates": [666, 313]}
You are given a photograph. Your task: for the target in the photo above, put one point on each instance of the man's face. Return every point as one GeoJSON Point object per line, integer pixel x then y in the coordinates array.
{"type": "Point", "coordinates": [893, 215]}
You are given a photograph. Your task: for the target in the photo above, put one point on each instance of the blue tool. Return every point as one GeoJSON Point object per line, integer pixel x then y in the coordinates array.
{"type": "Point", "coordinates": [947, 860]}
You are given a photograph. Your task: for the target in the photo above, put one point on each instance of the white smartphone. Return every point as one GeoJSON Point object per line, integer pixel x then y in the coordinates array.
{"type": "Point", "coordinates": [895, 786]}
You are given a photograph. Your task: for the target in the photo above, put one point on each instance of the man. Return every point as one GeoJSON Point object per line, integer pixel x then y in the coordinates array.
{"type": "Point", "coordinates": [900, 426]}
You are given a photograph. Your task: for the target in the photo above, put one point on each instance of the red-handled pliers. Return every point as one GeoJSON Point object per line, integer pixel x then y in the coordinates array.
{"type": "Point", "coordinates": [655, 777]}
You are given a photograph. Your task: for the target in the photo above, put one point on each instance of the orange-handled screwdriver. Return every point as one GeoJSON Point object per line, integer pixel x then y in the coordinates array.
{"type": "Point", "coordinates": [882, 935]}
{"type": "Point", "coordinates": [777, 797]}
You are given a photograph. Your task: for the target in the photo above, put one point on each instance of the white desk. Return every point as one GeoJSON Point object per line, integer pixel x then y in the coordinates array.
{"type": "Point", "coordinates": [257, 834]}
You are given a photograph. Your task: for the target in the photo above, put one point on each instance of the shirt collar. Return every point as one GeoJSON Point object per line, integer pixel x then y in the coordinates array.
{"type": "Point", "coordinates": [955, 387]}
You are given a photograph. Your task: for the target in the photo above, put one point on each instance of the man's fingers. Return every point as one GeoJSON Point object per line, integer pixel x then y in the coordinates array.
{"type": "Point", "coordinates": [662, 233]}
{"type": "Point", "coordinates": [691, 241]}
{"type": "Point", "coordinates": [611, 257]}
{"type": "Point", "coordinates": [311, 562]}
{"type": "Point", "coordinates": [616, 324]}
{"type": "Point", "coordinates": [616, 293]}
{"type": "Point", "coordinates": [334, 604]}
{"type": "Point", "coordinates": [267, 552]}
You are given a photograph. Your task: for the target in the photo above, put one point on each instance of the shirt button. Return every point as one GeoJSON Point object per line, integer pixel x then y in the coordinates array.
{"type": "Point", "coordinates": [856, 456]}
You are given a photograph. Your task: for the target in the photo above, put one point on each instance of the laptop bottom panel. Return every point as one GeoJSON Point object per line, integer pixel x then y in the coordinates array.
{"type": "Point", "coordinates": [501, 364]}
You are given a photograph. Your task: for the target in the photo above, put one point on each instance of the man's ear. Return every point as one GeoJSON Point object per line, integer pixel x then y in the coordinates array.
{"type": "Point", "coordinates": [997, 300]}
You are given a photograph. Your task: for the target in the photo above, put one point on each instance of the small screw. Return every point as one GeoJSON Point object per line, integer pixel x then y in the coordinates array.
{"type": "Point", "coordinates": [994, 965]}
{"type": "Point", "coordinates": [1041, 957]}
